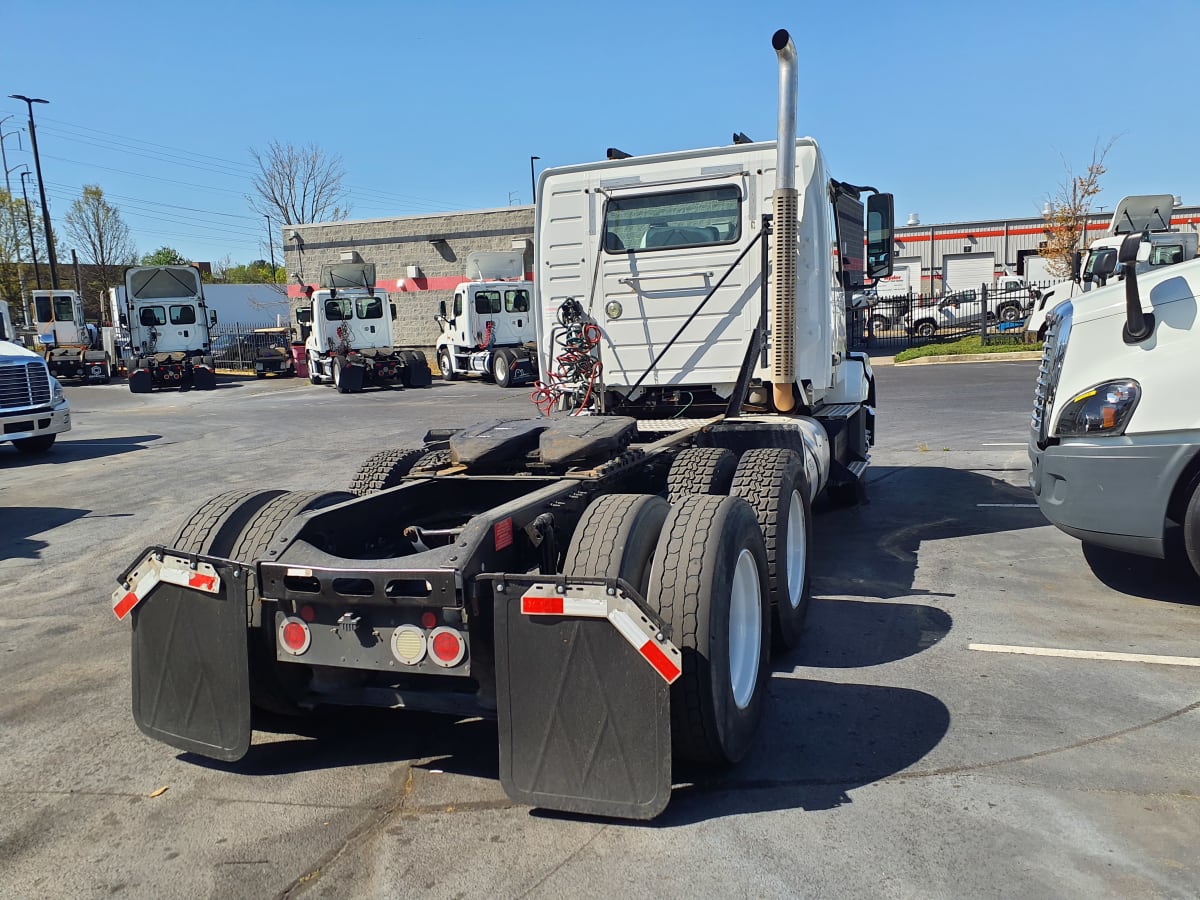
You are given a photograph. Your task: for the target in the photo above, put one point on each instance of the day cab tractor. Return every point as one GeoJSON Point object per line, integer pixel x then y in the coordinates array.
{"type": "Point", "coordinates": [169, 339]}
{"type": "Point", "coordinates": [71, 347]}
{"type": "Point", "coordinates": [607, 582]}
{"type": "Point", "coordinates": [348, 338]}
{"type": "Point", "coordinates": [489, 329]}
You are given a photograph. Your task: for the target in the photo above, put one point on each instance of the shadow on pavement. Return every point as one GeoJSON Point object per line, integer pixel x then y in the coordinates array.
{"type": "Point", "coordinates": [18, 524]}
{"type": "Point", "coordinates": [1167, 580]}
{"type": "Point", "coordinates": [68, 450]}
{"type": "Point", "coordinates": [852, 634]}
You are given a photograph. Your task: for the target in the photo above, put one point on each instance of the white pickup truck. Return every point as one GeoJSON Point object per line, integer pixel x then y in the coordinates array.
{"type": "Point", "coordinates": [33, 408]}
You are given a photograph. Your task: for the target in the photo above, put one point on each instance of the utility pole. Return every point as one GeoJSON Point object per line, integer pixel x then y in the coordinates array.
{"type": "Point", "coordinates": [37, 276]}
{"type": "Point", "coordinates": [271, 244]}
{"type": "Point", "coordinates": [12, 214]}
{"type": "Point", "coordinates": [533, 179]}
{"type": "Point", "coordinates": [37, 164]}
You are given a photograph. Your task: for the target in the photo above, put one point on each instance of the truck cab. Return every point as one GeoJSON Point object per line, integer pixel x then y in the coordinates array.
{"type": "Point", "coordinates": [169, 329]}
{"type": "Point", "coordinates": [34, 409]}
{"type": "Point", "coordinates": [71, 346]}
{"type": "Point", "coordinates": [1148, 214]}
{"type": "Point", "coordinates": [490, 322]}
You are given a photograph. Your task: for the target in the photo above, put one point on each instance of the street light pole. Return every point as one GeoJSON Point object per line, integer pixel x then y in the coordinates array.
{"type": "Point", "coordinates": [37, 276]}
{"type": "Point", "coordinates": [271, 244]}
{"type": "Point", "coordinates": [533, 180]}
{"type": "Point", "coordinates": [37, 164]}
{"type": "Point", "coordinates": [12, 215]}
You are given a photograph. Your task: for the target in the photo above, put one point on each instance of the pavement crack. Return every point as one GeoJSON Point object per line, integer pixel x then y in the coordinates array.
{"type": "Point", "coordinates": [570, 856]}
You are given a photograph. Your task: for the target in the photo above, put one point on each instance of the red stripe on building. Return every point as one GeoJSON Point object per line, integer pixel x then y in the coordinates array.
{"type": "Point", "coordinates": [403, 285]}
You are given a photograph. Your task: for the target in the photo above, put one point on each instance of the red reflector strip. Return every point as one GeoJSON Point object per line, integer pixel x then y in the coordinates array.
{"type": "Point", "coordinates": [542, 606]}
{"type": "Point", "coordinates": [125, 604]}
{"type": "Point", "coordinates": [503, 533]}
{"type": "Point", "coordinates": [203, 582]}
{"type": "Point", "coordinates": [661, 662]}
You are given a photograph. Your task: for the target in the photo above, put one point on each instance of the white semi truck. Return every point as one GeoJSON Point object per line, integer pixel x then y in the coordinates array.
{"type": "Point", "coordinates": [1148, 214]}
{"type": "Point", "coordinates": [607, 582]}
{"type": "Point", "coordinates": [168, 323]}
{"type": "Point", "coordinates": [33, 407]}
{"type": "Point", "coordinates": [489, 328]}
{"type": "Point", "coordinates": [1115, 440]}
{"type": "Point", "coordinates": [347, 331]}
{"type": "Point", "coordinates": [71, 347]}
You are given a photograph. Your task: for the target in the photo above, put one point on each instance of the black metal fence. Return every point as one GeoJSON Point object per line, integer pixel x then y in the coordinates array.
{"type": "Point", "coordinates": [235, 345]}
{"type": "Point", "coordinates": [894, 323]}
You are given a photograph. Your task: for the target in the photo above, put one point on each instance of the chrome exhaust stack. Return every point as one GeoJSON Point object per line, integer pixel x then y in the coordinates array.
{"type": "Point", "coordinates": [785, 205]}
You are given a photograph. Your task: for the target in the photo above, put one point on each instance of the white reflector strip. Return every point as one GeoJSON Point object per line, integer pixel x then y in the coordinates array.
{"type": "Point", "coordinates": [171, 570]}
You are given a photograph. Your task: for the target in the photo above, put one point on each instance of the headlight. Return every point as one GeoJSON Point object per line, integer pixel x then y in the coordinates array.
{"type": "Point", "coordinates": [57, 395]}
{"type": "Point", "coordinates": [1103, 409]}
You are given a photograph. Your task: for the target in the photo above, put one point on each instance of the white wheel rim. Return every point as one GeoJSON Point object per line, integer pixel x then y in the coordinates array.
{"type": "Point", "coordinates": [797, 558]}
{"type": "Point", "coordinates": [501, 368]}
{"type": "Point", "coordinates": [745, 629]}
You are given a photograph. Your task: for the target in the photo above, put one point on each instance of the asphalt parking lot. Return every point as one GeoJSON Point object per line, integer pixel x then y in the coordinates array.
{"type": "Point", "coordinates": [919, 743]}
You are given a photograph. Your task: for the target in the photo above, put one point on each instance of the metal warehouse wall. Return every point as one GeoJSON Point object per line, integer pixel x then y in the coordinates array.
{"type": "Point", "coordinates": [436, 245]}
{"type": "Point", "coordinates": [1003, 238]}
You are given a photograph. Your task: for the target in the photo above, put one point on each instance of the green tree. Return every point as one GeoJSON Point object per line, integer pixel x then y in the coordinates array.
{"type": "Point", "coordinates": [165, 256]}
{"type": "Point", "coordinates": [298, 184]}
{"type": "Point", "coordinates": [103, 238]}
{"type": "Point", "coordinates": [14, 245]}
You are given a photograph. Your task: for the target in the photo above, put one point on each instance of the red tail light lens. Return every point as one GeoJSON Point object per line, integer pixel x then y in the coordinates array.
{"type": "Point", "coordinates": [294, 636]}
{"type": "Point", "coordinates": [447, 647]}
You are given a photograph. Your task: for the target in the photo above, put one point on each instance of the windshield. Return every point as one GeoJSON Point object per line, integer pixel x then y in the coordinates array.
{"type": "Point", "coordinates": [676, 219]}
{"type": "Point", "coordinates": [1103, 259]}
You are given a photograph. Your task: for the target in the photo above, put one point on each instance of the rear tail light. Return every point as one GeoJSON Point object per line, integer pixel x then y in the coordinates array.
{"type": "Point", "coordinates": [294, 636]}
{"type": "Point", "coordinates": [447, 647]}
{"type": "Point", "coordinates": [408, 644]}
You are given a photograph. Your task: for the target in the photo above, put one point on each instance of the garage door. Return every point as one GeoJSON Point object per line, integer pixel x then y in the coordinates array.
{"type": "Point", "coordinates": [964, 271]}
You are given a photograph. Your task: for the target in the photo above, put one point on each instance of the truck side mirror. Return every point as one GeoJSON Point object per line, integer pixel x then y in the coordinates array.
{"type": "Point", "coordinates": [1076, 263]}
{"type": "Point", "coordinates": [442, 308]}
{"type": "Point", "coordinates": [124, 320]}
{"type": "Point", "coordinates": [880, 226]}
{"type": "Point", "coordinates": [304, 316]}
{"type": "Point", "coordinates": [393, 306]}
{"type": "Point", "coordinates": [1130, 249]}
{"type": "Point", "coordinates": [212, 317]}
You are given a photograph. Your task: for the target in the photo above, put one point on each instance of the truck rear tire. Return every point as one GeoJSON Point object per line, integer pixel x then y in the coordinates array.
{"type": "Point", "coordinates": [708, 581]}
{"type": "Point", "coordinates": [772, 481]}
{"type": "Point", "coordinates": [340, 381]}
{"type": "Point", "coordinates": [433, 459]}
{"type": "Point", "coordinates": [218, 522]}
{"type": "Point", "coordinates": [616, 537]}
{"type": "Point", "coordinates": [502, 367]}
{"type": "Point", "coordinates": [446, 364]}
{"type": "Point", "coordinates": [700, 470]}
{"type": "Point", "coordinates": [37, 444]}
{"type": "Point", "coordinates": [384, 470]}
{"type": "Point", "coordinates": [273, 685]}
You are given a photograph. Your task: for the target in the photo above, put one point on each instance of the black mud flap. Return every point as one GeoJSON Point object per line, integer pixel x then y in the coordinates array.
{"type": "Point", "coordinates": [584, 722]}
{"type": "Point", "coordinates": [522, 371]}
{"type": "Point", "coordinates": [191, 683]}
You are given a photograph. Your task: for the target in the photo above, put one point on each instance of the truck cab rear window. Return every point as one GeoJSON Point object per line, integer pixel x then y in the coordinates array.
{"type": "Point", "coordinates": [339, 310]}
{"type": "Point", "coordinates": [487, 302]}
{"type": "Point", "coordinates": [183, 315]}
{"type": "Point", "coordinates": [152, 315]}
{"type": "Point", "coordinates": [676, 219]}
{"type": "Point", "coordinates": [516, 301]}
{"type": "Point", "coordinates": [370, 307]}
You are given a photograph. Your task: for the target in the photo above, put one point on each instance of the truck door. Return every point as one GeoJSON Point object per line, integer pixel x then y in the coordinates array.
{"type": "Point", "coordinates": [661, 252]}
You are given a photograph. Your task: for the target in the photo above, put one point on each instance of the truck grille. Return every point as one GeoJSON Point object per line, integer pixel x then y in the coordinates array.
{"type": "Point", "coordinates": [24, 384]}
{"type": "Point", "coordinates": [1057, 333]}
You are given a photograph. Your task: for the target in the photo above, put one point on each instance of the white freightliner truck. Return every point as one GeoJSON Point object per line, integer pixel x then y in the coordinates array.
{"type": "Point", "coordinates": [71, 348]}
{"type": "Point", "coordinates": [1148, 214]}
{"type": "Point", "coordinates": [489, 329]}
{"type": "Point", "coordinates": [607, 582]}
{"type": "Point", "coordinates": [347, 332]}
{"type": "Point", "coordinates": [33, 408]}
{"type": "Point", "coordinates": [168, 321]}
{"type": "Point", "coordinates": [1115, 442]}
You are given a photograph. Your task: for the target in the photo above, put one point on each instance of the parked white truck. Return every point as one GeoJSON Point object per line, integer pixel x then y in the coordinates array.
{"type": "Point", "coordinates": [1115, 440]}
{"type": "Point", "coordinates": [71, 347]}
{"type": "Point", "coordinates": [1148, 214]}
{"type": "Point", "coordinates": [347, 331]}
{"type": "Point", "coordinates": [489, 328]}
{"type": "Point", "coordinates": [33, 407]}
{"type": "Point", "coordinates": [168, 322]}
{"type": "Point", "coordinates": [608, 585]}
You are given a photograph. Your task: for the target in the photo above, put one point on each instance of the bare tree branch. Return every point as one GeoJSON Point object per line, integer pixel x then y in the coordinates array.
{"type": "Point", "coordinates": [103, 238]}
{"type": "Point", "coordinates": [299, 184]}
{"type": "Point", "coordinates": [1069, 210]}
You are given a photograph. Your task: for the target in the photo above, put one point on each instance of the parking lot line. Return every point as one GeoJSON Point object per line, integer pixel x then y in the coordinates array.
{"type": "Point", "coordinates": [1007, 444]}
{"type": "Point", "coordinates": [1011, 505]}
{"type": "Point", "coordinates": [1106, 655]}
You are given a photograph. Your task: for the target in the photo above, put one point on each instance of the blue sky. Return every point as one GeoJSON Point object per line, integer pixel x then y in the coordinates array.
{"type": "Point", "coordinates": [963, 111]}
